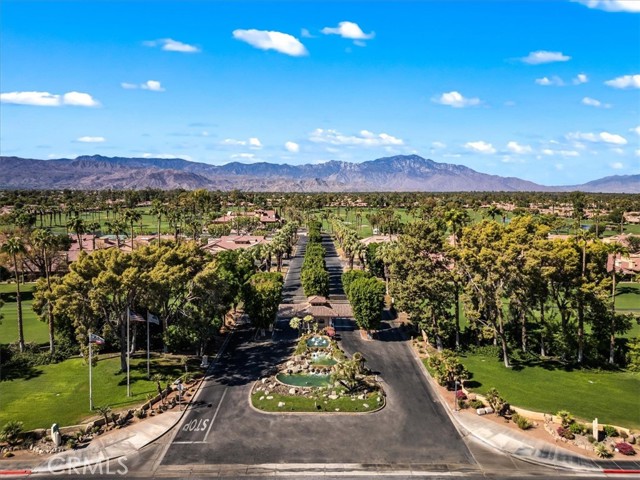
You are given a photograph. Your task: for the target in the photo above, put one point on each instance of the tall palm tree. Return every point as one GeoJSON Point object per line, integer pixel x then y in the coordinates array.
{"type": "Point", "coordinates": [158, 209]}
{"type": "Point", "coordinates": [14, 247]}
{"type": "Point", "coordinates": [76, 224]}
{"type": "Point", "coordinates": [385, 253]}
{"type": "Point", "coordinates": [44, 240]}
{"type": "Point", "coordinates": [131, 217]}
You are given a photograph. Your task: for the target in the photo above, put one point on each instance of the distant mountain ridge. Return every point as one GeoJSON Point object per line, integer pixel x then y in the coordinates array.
{"type": "Point", "coordinates": [397, 173]}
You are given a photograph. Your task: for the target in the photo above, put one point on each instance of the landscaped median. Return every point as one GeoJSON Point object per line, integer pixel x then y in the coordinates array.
{"type": "Point", "coordinates": [319, 379]}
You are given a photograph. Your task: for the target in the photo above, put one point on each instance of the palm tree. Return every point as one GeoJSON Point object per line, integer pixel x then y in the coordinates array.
{"type": "Point", "coordinates": [131, 217]}
{"type": "Point", "coordinates": [77, 225]}
{"type": "Point", "coordinates": [93, 227]}
{"type": "Point", "coordinates": [385, 253]}
{"type": "Point", "coordinates": [43, 239]}
{"type": "Point", "coordinates": [158, 209]}
{"type": "Point", "coordinates": [14, 247]}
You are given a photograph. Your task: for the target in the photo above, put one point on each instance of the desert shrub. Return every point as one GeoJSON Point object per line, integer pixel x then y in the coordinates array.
{"type": "Point", "coordinates": [476, 404]}
{"type": "Point", "coordinates": [495, 400]}
{"type": "Point", "coordinates": [462, 404]}
{"type": "Point", "coordinates": [565, 418]}
{"type": "Point", "coordinates": [591, 439]}
{"type": "Point", "coordinates": [460, 395]}
{"type": "Point", "coordinates": [576, 428]}
{"type": "Point", "coordinates": [610, 431]}
{"type": "Point", "coordinates": [602, 451]}
{"type": "Point", "coordinates": [564, 432]}
{"type": "Point", "coordinates": [11, 431]}
{"type": "Point", "coordinates": [624, 435]}
{"type": "Point", "coordinates": [625, 448]}
{"type": "Point", "coordinates": [523, 423]}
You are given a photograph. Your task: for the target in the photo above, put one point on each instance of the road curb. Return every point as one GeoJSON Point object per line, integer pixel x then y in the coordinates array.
{"type": "Point", "coordinates": [15, 472]}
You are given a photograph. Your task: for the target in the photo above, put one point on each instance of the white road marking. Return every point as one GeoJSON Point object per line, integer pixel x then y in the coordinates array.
{"type": "Point", "coordinates": [213, 419]}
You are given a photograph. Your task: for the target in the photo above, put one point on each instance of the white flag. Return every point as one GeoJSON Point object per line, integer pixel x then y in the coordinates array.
{"type": "Point", "coordinates": [151, 318]}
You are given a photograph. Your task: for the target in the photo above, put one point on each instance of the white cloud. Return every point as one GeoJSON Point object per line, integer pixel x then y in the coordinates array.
{"type": "Point", "coordinates": [617, 165]}
{"type": "Point", "coordinates": [267, 40]}
{"type": "Point", "coordinates": [515, 147]}
{"type": "Point", "coordinates": [292, 147]}
{"type": "Point", "coordinates": [480, 147]}
{"type": "Point", "coordinates": [559, 166]}
{"type": "Point", "coordinates": [87, 139]}
{"type": "Point", "coordinates": [255, 143]}
{"type": "Point", "coordinates": [613, 5]}
{"type": "Point", "coordinates": [41, 99]}
{"type": "Point", "coordinates": [305, 33]}
{"type": "Point", "coordinates": [170, 45]}
{"type": "Point", "coordinates": [166, 156]}
{"type": "Point", "coordinates": [580, 79]}
{"type": "Point", "coordinates": [438, 145]}
{"type": "Point", "coordinates": [544, 56]}
{"type": "Point", "coordinates": [602, 137]}
{"type": "Point", "coordinates": [46, 99]}
{"type": "Point", "coordinates": [365, 138]}
{"type": "Point", "coordinates": [79, 99]}
{"type": "Point", "coordinates": [244, 156]}
{"type": "Point", "coordinates": [546, 81]}
{"type": "Point", "coordinates": [563, 153]}
{"type": "Point", "coordinates": [636, 130]}
{"type": "Point", "coordinates": [152, 85]}
{"type": "Point", "coordinates": [625, 81]}
{"type": "Point", "coordinates": [252, 142]}
{"type": "Point", "coordinates": [592, 102]}
{"type": "Point", "coordinates": [456, 100]}
{"type": "Point", "coordinates": [637, 152]}
{"type": "Point", "coordinates": [349, 30]}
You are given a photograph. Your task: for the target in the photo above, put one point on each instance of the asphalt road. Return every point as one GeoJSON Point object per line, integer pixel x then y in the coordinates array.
{"type": "Point", "coordinates": [292, 289]}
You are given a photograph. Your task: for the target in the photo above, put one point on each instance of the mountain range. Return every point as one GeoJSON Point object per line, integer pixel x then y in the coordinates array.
{"type": "Point", "coordinates": [398, 173]}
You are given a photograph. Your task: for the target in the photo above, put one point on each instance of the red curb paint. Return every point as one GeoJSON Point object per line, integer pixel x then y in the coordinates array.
{"type": "Point", "coordinates": [15, 472]}
{"type": "Point", "coordinates": [628, 472]}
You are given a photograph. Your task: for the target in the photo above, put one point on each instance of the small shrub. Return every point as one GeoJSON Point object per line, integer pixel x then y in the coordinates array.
{"type": "Point", "coordinates": [602, 451]}
{"type": "Point", "coordinates": [187, 378]}
{"type": "Point", "coordinates": [591, 439]}
{"type": "Point", "coordinates": [565, 417]}
{"type": "Point", "coordinates": [610, 431]}
{"type": "Point", "coordinates": [475, 404]}
{"type": "Point", "coordinates": [564, 432]}
{"type": "Point", "coordinates": [576, 428]}
{"type": "Point", "coordinates": [625, 448]}
{"type": "Point", "coordinates": [11, 431]}
{"type": "Point", "coordinates": [624, 435]}
{"type": "Point", "coordinates": [499, 404]}
{"type": "Point", "coordinates": [460, 395]}
{"type": "Point", "coordinates": [462, 404]}
{"type": "Point", "coordinates": [522, 422]}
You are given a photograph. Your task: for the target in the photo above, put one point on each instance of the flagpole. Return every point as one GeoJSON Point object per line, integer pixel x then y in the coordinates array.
{"type": "Point", "coordinates": [128, 356]}
{"type": "Point", "coordinates": [90, 376]}
{"type": "Point", "coordinates": [148, 367]}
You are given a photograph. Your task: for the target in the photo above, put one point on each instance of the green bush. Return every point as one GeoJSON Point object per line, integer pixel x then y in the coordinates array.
{"type": "Point", "coordinates": [591, 439]}
{"type": "Point", "coordinates": [11, 431]}
{"type": "Point", "coordinates": [577, 428]}
{"type": "Point", "coordinates": [350, 276]}
{"type": "Point", "coordinates": [522, 422]}
{"type": "Point", "coordinates": [476, 404]}
{"type": "Point", "coordinates": [602, 451]}
{"type": "Point", "coordinates": [610, 431]}
{"type": "Point", "coordinates": [565, 417]}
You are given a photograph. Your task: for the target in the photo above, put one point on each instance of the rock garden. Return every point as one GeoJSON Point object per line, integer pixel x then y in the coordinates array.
{"type": "Point", "coordinates": [319, 377]}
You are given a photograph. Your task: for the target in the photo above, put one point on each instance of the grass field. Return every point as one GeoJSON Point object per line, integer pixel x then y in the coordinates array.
{"type": "Point", "coordinates": [60, 392]}
{"type": "Point", "coordinates": [612, 397]}
{"type": "Point", "coordinates": [34, 330]}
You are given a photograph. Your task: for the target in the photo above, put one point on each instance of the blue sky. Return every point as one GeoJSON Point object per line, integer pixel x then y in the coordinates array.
{"type": "Point", "coordinates": [543, 90]}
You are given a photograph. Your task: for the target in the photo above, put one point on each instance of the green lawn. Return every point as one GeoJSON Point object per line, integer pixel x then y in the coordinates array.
{"type": "Point", "coordinates": [303, 404]}
{"type": "Point", "coordinates": [628, 296]}
{"type": "Point", "coordinates": [612, 397]}
{"type": "Point", "coordinates": [60, 392]}
{"type": "Point", "coordinates": [34, 329]}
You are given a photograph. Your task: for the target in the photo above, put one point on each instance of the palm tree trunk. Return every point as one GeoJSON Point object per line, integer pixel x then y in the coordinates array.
{"type": "Point", "coordinates": [457, 300]}
{"type": "Point", "coordinates": [18, 305]}
{"type": "Point", "coordinates": [612, 341]}
{"type": "Point", "coordinates": [49, 309]}
{"type": "Point", "coordinates": [158, 229]}
{"type": "Point", "coordinates": [132, 236]}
